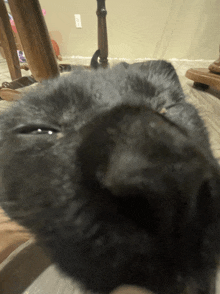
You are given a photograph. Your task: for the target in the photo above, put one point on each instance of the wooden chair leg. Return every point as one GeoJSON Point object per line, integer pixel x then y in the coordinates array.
{"type": "Point", "coordinates": [8, 43]}
{"type": "Point", "coordinates": [35, 38]}
{"type": "Point", "coordinates": [102, 32]}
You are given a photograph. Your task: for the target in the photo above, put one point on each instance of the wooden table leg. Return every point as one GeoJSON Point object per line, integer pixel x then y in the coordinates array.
{"type": "Point", "coordinates": [102, 32]}
{"type": "Point", "coordinates": [35, 38]}
{"type": "Point", "coordinates": [8, 43]}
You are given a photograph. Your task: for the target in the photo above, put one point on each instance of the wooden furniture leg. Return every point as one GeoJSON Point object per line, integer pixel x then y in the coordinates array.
{"type": "Point", "coordinates": [102, 32]}
{"type": "Point", "coordinates": [205, 77]}
{"type": "Point", "coordinates": [8, 43]}
{"type": "Point", "coordinates": [35, 38]}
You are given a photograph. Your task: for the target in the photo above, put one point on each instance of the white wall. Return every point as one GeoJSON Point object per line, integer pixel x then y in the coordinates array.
{"type": "Point", "coordinates": [186, 29]}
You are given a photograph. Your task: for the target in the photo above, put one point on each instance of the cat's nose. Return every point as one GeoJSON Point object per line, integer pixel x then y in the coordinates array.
{"type": "Point", "coordinates": [129, 173]}
{"type": "Point", "coordinates": [124, 170]}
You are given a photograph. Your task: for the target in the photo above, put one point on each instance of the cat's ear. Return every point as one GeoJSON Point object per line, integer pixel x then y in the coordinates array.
{"type": "Point", "coordinates": [157, 77]}
{"type": "Point", "coordinates": [160, 70]}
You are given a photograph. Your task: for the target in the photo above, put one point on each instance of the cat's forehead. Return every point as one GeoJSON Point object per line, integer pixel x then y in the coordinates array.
{"type": "Point", "coordinates": [79, 96]}
{"type": "Point", "coordinates": [72, 94]}
{"type": "Point", "coordinates": [80, 89]}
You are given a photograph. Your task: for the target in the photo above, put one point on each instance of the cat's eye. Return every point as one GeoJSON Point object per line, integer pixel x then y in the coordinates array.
{"type": "Point", "coordinates": [41, 131]}
{"type": "Point", "coordinates": [36, 130]}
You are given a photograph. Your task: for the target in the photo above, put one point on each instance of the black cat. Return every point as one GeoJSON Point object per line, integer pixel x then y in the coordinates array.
{"type": "Point", "coordinates": [113, 172]}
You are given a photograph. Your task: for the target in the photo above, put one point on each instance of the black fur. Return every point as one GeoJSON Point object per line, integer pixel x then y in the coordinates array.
{"type": "Point", "coordinates": [120, 184]}
{"type": "Point", "coordinates": [94, 61]}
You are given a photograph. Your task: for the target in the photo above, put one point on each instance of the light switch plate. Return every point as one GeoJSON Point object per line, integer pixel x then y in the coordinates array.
{"type": "Point", "coordinates": [78, 21]}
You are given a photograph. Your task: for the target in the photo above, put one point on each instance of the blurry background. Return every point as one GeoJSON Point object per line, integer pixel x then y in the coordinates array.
{"type": "Point", "coordinates": [183, 29]}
